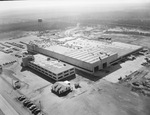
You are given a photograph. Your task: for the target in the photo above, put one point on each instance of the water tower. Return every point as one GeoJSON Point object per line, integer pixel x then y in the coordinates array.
{"type": "Point", "coordinates": [40, 26]}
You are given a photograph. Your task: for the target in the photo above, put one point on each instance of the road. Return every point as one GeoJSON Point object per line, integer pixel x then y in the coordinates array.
{"type": "Point", "coordinates": [68, 32]}
{"type": "Point", "coordinates": [6, 107]}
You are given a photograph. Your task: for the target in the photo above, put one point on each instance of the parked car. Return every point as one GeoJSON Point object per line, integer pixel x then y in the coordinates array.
{"type": "Point", "coordinates": [29, 105]}
{"type": "Point", "coordinates": [21, 98]}
{"type": "Point", "coordinates": [32, 107]}
{"type": "Point", "coordinates": [26, 102]}
{"type": "Point", "coordinates": [36, 111]}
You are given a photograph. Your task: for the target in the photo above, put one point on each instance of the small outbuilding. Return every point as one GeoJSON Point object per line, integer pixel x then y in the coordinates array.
{"type": "Point", "coordinates": [61, 88]}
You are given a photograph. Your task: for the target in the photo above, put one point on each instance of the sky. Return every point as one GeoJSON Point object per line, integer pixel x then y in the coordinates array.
{"type": "Point", "coordinates": [71, 5]}
{"type": "Point", "coordinates": [56, 8]}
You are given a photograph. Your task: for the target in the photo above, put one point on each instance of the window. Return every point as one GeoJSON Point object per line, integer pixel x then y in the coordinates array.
{"type": "Point", "coordinates": [60, 77]}
{"type": "Point", "coordinates": [59, 73]}
{"type": "Point", "coordinates": [66, 74]}
{"type": "Point", "coordinates": [65, 71]}
{"type": "Point", "coordinates": [71, 69]}
{"type": "Point", "coordinates": [72, 72]}
{"type": "Point", "coordinates": [54, 74]}
{"type": "Point", "coordinates": [49, 75]}
{"type": "Point", "coordinates": [105, 65]}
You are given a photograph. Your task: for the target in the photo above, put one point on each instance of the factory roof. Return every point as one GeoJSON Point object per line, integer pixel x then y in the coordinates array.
{"type": "Point", "coordinates": [117, 47]}
{"type": "Point", "coordinates": [89, 55]}
{"type": "Point", "coordinates": [59, 49]}
{"type": "Point", "coordinates": [51, 64]}
{"type": "Point", "coordinates": [91, 51]}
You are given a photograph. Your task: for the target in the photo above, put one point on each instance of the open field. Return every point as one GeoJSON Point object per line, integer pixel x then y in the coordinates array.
{"type": "Point", "coordinates": [132, 39]}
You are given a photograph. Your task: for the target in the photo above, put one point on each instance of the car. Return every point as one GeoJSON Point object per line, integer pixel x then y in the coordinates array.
{"type": "Point", "coordinates": [21, 98]}
{"type": "Point", "coordinates": [29, 105]}
{"type": "Point", "coordinates": [32, 107]}
{"type": "Point", "coordinates": [25, 102]}
{"type": "Point", "coordinates": [32, 111]}
{"type": "Point", "coordinates": [37, 112]}
{"type": "Point", "coordinates": [41, 113]}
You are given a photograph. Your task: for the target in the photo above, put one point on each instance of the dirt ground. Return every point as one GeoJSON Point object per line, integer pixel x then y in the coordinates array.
{"type": "Point", "coordinates": [132, 39]}
{"type": "Point", "coordinates": [103, 98]}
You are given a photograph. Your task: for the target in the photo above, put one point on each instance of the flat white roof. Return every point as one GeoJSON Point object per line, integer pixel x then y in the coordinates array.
{"type": "Point", "coordinates": [51, 65]}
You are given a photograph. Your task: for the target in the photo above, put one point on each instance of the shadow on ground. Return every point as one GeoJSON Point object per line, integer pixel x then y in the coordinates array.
{"type": "Point", "coordinates": [62, 94]}
{"type": "Point", "coordinates": [99, 74]}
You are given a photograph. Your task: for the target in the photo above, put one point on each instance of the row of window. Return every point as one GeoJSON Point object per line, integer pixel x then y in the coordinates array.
{"type": "Point", "coordinates": [42, 71]}
{"type": "Point", "coordinates": [66, 71]}
{"type": "Point", "coordinates": [65, 75]}
{"type": "Point", "coordinates": [50, 74]}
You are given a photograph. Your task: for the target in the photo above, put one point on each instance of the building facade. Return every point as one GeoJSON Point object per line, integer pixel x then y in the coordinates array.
{"type": "Point", "coordinates": [50, 67]}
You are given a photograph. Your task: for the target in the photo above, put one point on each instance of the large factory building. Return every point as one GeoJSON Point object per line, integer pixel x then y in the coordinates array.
{"type": "Point", "coordinates": [87, 55]}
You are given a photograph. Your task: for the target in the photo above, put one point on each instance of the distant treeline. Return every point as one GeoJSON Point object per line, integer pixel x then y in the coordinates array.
{"type": "Point", "coordinates": [128, 32]}
{"type": "Point", "coordinates": [62, 23]}
{"type": "Point", "coordinates": [144, 25]}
